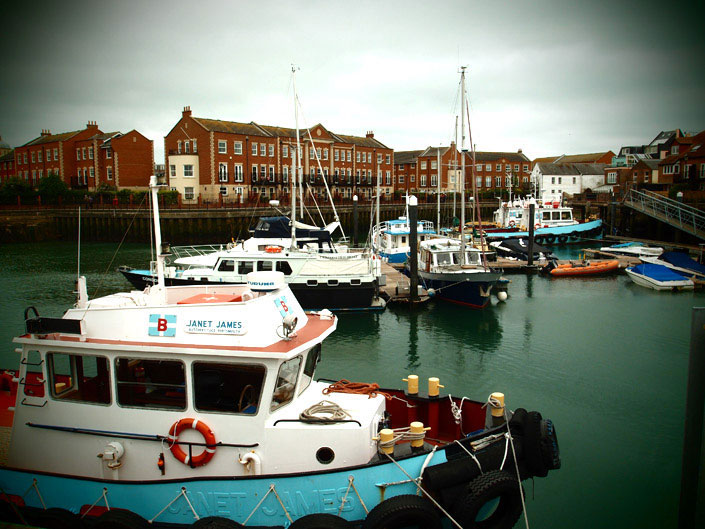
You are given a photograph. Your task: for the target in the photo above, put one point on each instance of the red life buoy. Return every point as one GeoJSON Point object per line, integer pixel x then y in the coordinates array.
{"type": "Point", "coordinates": [273, 249]}
{"type": "Point", "coordinates": [208, 435]}
{"type": "Point", "coordinates": [537, 226]}
{"type": "Point", "coordinates": [512, 223]}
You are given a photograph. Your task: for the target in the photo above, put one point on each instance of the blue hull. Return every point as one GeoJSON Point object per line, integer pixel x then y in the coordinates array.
{"type": "Point", "coordinates": [556, 235]}
{"type": "Point", "coordinates": [236, 499]}
{"type": "Point", "coordinates": [397, 258]}
{"type": "Point", "coordinates": [462, 293]}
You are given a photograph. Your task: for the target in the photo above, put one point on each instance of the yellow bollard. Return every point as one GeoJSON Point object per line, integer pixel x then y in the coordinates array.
{"type": "Point", "coordinates": [386, 436]}
{"type": "Point", "coordinates": [418, 428]}
{"type": "Point", "coordinates": [498, 411]}
{"type": "Point", "coordinates": [413, 384]}
{"type": "Point", "coordinates": [433, 385]}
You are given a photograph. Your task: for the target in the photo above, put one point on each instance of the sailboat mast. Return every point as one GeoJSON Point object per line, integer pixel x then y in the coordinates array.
{"type": "Point", "coordinates": [295, 164]}
{"type": "Point", "coordinates": [462, 162]}
{"type": "Point", "coordinates": [438, 191]}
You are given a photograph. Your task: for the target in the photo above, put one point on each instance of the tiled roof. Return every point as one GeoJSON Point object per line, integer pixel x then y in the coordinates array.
{"type": "Point", "coordinates": [8, 156]}
{"type": "Point", "coordinates": [433, 151]}
{"type": "Point", "coordinates": [406, 156]}
{"type": "Point", "coordinates": [571, 168]}
{"type": "Point", "coordinates": [545, 159]}
{"type": "Point", "coordinates": [362, 142]}
{"type": "Point", "coordinates": [582, 158]}
{"type": "Point", "coordinates": [52, 137]}
{"type": "Point", "coordinates": [216, 125]}
{"type": "Point", "coordinates": [484, 156]}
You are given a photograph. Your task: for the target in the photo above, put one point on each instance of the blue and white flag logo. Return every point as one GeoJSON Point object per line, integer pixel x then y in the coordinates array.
{"type": "Point", "coordinates": [162, 325]}
{"type": "Point", "coordinates": [280, 302]}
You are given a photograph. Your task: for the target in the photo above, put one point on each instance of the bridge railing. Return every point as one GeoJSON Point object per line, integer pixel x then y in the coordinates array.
{"type": "Point", "coordinates": [684, 216]}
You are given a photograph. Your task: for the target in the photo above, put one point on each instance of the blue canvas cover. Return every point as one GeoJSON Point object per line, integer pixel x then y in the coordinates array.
{"type": "Point", "coordinates": [657, 272]}
{"type": "Point", "coordinates": [683, 260]}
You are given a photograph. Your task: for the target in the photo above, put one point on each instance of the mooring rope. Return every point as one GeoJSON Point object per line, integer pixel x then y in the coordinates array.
{"type": "Point", "coordinates": [324, 411]}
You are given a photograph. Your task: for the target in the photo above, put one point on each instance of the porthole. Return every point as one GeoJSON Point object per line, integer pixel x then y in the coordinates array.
{"type": "Point", "coordinates": [325, 455]}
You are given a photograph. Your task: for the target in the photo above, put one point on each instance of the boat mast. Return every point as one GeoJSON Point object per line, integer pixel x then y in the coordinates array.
{"type": "Point", "coordinates": [438, 191]}
{"type": "Point", "coordinates": [154, 188]}
{"type": "Point", "coordinates": [377, 243]}
{"type": "Point", "coordinates": [455, 163]}
{"type": "Point", "coordinates": [295, 163]}
{"type": "Point", "coordinates": [462, 163]}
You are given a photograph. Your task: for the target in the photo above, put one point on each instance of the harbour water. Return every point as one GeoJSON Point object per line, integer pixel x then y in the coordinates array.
{"type": "Point", "coordinates": [605, 359]}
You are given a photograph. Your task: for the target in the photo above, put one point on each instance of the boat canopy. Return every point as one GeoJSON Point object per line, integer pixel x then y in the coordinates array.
{"type": "Point", "coordinates": [682, 260]}
{"type": "Point", "coordinates": [280, 228]}
{"type": "Point", "coordinates": [657, 272]}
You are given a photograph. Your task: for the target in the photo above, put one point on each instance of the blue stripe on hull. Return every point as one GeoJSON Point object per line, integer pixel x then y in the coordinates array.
{"type": "Point", "coordinates": [463, 292]}
{"type": "Point", "coordinates": [230, 498]}
{"type": "Point", "coordinates": [574, 233]}
{"type": "Point", "coordinates": [399, 257]}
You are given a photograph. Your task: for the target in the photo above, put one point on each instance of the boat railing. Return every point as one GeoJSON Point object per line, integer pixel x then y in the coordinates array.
{"type": "Point", "coordinates": [422, 225]}
{"type": "Point", "coordinates": [196, 250]}
{"type": "Point", "coordinates": [677, 214]}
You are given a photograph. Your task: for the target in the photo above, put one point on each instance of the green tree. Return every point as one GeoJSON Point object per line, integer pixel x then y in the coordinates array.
{"type": "Point", "coordinates": [51, 187]}
{"type": "Point", "coordinates": [13, 188]}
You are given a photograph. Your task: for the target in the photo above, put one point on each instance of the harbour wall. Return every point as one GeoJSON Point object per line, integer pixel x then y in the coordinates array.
{"type": "Point", "coordinates": [202, 226]}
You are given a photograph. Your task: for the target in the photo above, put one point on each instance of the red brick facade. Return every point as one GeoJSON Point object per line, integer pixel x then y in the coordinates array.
{"type": "Point", "coordinates": [206, 157]}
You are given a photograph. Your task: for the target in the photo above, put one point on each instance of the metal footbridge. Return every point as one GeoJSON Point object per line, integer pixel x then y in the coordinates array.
{"type": "Point", "coordinates": [678, 215]}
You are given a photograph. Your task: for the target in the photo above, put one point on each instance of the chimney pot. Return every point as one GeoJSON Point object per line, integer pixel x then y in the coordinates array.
{"type": "Point", "coordinates": [370, 134]}
{"type": "Point", "coordinates": [187, 111]}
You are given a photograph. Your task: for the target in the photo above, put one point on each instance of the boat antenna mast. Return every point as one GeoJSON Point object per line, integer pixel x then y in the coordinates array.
{"type": "Point", "coordinates": [462, 161]}
{"type": "Point", "coordinates": [296, 161]}
{"type": "Point", "coordinates": [161, 251]}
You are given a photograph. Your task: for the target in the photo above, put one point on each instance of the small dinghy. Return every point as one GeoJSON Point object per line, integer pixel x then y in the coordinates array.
{"type": "Point", "coordinates": [658, 277]}
{"type": "Point", "coordinates": [582, 268]}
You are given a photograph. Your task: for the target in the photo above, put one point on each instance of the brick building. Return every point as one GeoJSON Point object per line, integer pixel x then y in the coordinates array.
{"type": "Point", "coordinates": [686, 163]}
{"type": "Point", "coordinates": [417, 171]}
{"type": "Point", "coordinates": [87, 158]}
{"type": "Point", "coordinates": [7, 166]}
{"type": "Point", "coordinates": [207, 157]}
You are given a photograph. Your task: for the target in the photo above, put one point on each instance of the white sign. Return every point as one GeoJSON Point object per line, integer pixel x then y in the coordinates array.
{"type": "Point", "coordinates": [235, 327]}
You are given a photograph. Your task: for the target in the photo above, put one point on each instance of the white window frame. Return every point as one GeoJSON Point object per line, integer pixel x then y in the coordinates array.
{"type": "Point", "coordinates": [222, 172]}
{"type": "Point", "coordinates": [188, 193]}
{"type": "Point", "coordinates": [237, 147]}
{"type": "Point", "coordinates": [237, 173]}
{"type": "Point", "coordinates": [109, 172]}
{"type": "Point", "coordinates": [172, 171]}
{"type": "Point", "coordinates": [222, 147]}
{"type": "Point", "coordinates": [271, 149]}
{"type": "Point", "coordinates": [188, 168]}
{"type": "Point", "coordinates": [253, 149]}
{"type": "Point", "coordinates": [263, 149]}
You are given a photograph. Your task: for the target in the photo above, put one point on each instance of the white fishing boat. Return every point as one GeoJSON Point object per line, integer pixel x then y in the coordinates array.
{"type": "Point", "coordinates": [390, 239]}
{"type": "Point", "coordinates": [658, 277]}
{"type": "Point", "coordinates": [201, 405]}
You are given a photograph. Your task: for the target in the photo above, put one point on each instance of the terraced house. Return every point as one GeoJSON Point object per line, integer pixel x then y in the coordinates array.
{"type": "Point", "coordinates": [206, 158]}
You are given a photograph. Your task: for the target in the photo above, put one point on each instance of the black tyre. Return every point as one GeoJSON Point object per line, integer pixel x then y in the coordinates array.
{"type": "Point", "coordinates": [532, 445]}
{"type": "Point", "coordinates": [10, 512]}
{"type": "Point", "coordinates": [405, 511]}
{"type": "Point", "coordinates": [320, 521]}
{"type": "Point", "coordinates": [56, 518]}
{"type": "Point", "coordinates": [562, 239]}
{"type": "Point", "coordinates": [120, 519]}
{"type": "Point", "coordinates": [518, 421]}
{"type": "Point", "coordinates": [550, 452]}
{"type": "Point", "coordinates": [215, 522]}
{"type": "Point", "coordinates": [539, 240]}
{"type": "Point", "coordinates": [491, 501]}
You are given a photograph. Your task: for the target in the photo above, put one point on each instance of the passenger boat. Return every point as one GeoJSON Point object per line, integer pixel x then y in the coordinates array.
{"type": "Point", "coordinates": [390, 239]}
{"type": "Point", "coordinates": [201, 405]}
{"type": "Point", "coordinates": [658, 277]}
{"type": "Point", "coordinates": [553, 222]}
{"type": "Point", "coordinates": [633, 249]}
{"type": "Point", "coordinates": [581, 268]}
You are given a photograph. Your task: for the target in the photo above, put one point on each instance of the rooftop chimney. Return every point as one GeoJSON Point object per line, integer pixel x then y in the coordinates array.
{"type": "Point", "coordinates": [45, 132]}
{"type": "Point", "coordinates": [92, 125]}
{"type": "Point", "coordinates": [519, 151]}
{"type": "Point", "coordinates": [370, 134]}
{"type": "Point", "coordinates": [186, 112]}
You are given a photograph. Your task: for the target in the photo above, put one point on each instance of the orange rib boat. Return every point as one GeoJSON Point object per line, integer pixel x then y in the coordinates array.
{"type": "Point", "coordinates": [585, 268]}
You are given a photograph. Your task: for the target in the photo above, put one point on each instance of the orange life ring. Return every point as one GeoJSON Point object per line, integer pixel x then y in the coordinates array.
{"type": "Point", "coordinates": [273, 249]}
{"type": "Point", "coordinates": [208, 435]}
{"type": "Point", "coordinates": [537, 226]}
{"type": "Point", "coordinates": [512, 223]}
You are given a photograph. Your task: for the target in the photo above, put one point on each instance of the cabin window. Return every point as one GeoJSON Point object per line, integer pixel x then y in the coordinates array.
{"type": "Point", "coordinates": [284, 267]}
{"type": "Point", "coordinates": [151, 383]}
{"type": "Point", "coordinates": [444, 258]}
{"type": "Point", "coordinates": [565, 215]}
{"type": "Point", "coordinates": [245, 267]}
{"type": "Point", "coordinates": [286, 383]}
{"type": "Point", "coordinates": [79, 378]}
{"type": "Point", "coordinates": [472, 258]}
{"type": "Point", "coordinates": [227, 265]}
{"type": "Point", "coordinates": [229, 388]}
{"type": "Point", "coordinates": [312, 359]}
{"type": "Point", "coordinates": [556, 215]}
{"type": "Point", "coordinates": [33, 377]}
{"type": "Point", "coordinates": [403, 239]}
{"type": "Point", "coordinates": [264, 266]}
{"type": "Point", "coordinates": [546, 215]}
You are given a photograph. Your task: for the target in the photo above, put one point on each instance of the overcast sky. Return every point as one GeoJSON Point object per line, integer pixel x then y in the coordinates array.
{"type": "Point", "coordinates": [549, 77]}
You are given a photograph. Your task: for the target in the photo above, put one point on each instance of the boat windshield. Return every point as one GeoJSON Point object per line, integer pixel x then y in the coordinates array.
{"type": "Point", "coordinates": [286, 382]}
{"type": "Point", "coordinates": [444, 258]}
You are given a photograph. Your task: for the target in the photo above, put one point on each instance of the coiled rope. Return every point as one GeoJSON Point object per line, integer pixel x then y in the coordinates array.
{"type": "Point", "coordinates": [357, 388]}
{"type": "Point", "coordinates": [324, 412]}
{"type": "Point", "coordinates": [401, 434]}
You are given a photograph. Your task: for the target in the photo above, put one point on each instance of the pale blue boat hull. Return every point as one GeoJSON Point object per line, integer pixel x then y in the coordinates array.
{"type": "Point", "coordinates": [557, 234]}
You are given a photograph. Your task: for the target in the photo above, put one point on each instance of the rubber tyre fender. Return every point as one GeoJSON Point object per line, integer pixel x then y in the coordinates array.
{"type": "Point", "coordinates": [549, 239]}
{"type": "Point", "coordinates": [532, 445]}
{"type": "Point", "coordinates": [518, 421]}
{"type": "Point", "coordinates": [550, 450]}
{"type": "Point", "coordinates": [492, 485]}
{"type": "Point", "coordinates": [57, 518]}
{"type": "Point", "coordinates": [562, 239]}
{"type": "Point", "coordinates": [404, 511]}
{"type": "Point", "coordinates": [539, 240]}
{"type": "Point", "coordinates": [9, 512]}
{"type": "Point", "coordinates": [120, 519]}
{"type": "Point", "coordinates": [320, 521]}
{"type": "Point", "coordinates": [215, 522]}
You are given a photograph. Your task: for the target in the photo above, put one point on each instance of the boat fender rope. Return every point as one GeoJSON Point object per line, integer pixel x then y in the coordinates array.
{"type": "Point", "coordinates": [351, 484]}
{"type": "Point", "coordinates": [274, 490]}
{"type": "Point", "coordinates": [510, 441]}
{"type": "Point", "coordinates": [35, 486]}
{"type": "Point", "coordinates": [104, 496]}
{"type": "Point", "coordinates": [468, 452]}
{"type": "Point", "coordinates": [426, 462]}
{"type": "Point", "coordinates": [182, 493]}
{"type": "Point", "coordinates": [433, 500]}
